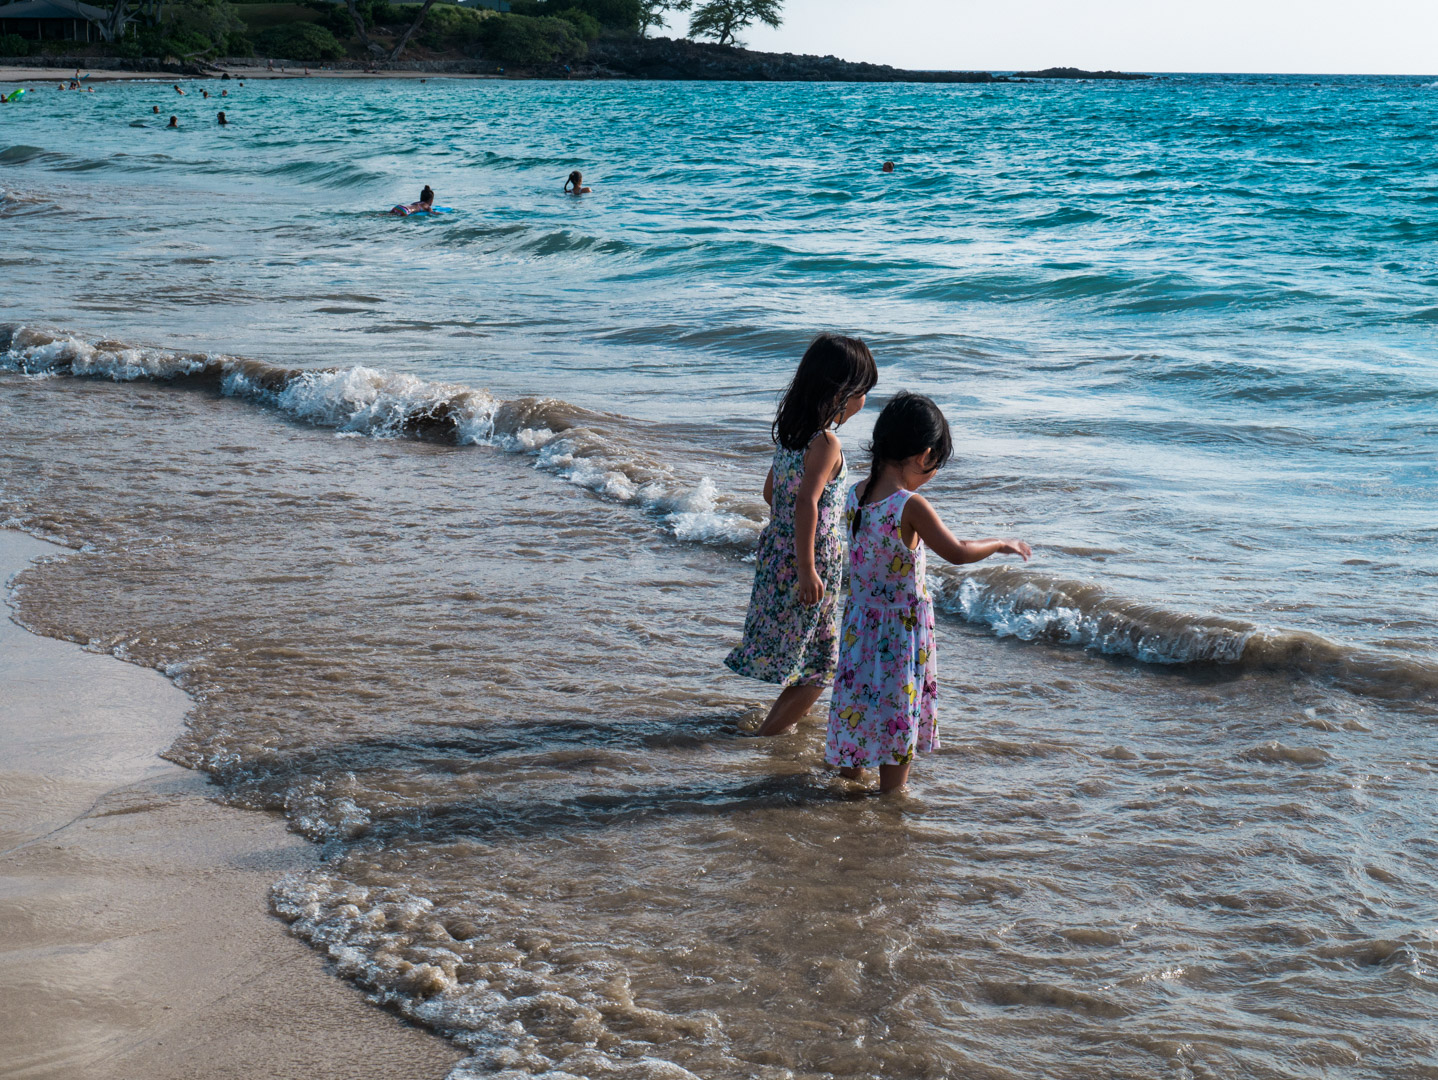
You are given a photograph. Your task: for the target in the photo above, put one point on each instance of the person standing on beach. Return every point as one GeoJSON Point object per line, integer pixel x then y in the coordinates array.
{"type": "Point", "coordinates": [790, 636]}
{"type": "Point", "coordinates": [885, 703]}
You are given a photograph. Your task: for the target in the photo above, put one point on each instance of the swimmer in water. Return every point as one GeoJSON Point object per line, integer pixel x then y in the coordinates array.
{"type": "Point", "coordinates": [206, 93]}
{"type": "Point", "coordinates": [178, 90]}
{"type": "Point", "coordinates": [224, 93]}
{"type": "Point", "coordinates": [156, 110]}
{"type": "Point", "coordinates": [577, 179]}
{"type": "Point", "coordinates": [174, 121]}
{"type": "Point", "coordinates": [221, 120]}
{"type": "Point", "coordinates": [888, 166]}
{"type": "Point", "coordinates": [424, 206]}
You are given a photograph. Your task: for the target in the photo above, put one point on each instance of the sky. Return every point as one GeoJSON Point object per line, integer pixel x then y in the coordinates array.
{"type": "Point", "coordinates": [1318, 36]}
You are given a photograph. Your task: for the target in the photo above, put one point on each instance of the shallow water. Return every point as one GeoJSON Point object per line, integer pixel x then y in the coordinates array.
{"type": "Point", "coordinates": [1178, 826]}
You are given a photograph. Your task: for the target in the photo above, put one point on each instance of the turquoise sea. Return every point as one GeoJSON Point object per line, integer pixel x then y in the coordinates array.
{"type": "Point", "coordinates": [1186, 332]}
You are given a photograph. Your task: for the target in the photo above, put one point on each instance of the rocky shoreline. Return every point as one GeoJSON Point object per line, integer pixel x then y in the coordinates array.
{"type": "Point", "coordinates": [642, 58]}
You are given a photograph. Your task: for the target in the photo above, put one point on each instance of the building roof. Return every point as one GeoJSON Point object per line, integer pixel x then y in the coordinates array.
{"type": "Point", "coordinates": [51, 9]}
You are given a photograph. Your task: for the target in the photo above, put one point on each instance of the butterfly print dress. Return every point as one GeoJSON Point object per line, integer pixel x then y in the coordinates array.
{"type": "Point", "coordinates": [885, 701]}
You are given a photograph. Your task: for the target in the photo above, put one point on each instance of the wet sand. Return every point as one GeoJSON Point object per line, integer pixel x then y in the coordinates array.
{"type": "Point", "coordinates": [135, 938]}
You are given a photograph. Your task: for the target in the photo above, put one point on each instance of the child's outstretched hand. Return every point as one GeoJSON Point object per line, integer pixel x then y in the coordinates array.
{"type": "Point", "coordinates": [1014, 547]}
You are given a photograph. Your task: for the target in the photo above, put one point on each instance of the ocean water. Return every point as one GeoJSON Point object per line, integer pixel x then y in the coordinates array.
{"type": "Point", "coordinates": [444, 524]}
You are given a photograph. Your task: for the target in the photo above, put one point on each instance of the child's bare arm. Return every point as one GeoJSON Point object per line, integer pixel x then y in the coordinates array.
{"type": "Point", "coordinates": [819, 462]}
{"type": "Point", "coordinates": [769, 488]}
{"type": "Point", "coordinates": [919, 518]}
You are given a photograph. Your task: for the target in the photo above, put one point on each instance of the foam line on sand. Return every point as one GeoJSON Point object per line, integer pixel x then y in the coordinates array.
{"type": "Point", "coordinates": [135, 938]}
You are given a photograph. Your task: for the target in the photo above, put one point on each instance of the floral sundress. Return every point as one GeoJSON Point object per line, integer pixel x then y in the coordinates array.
{"type": "Point", "coordinates": [784, 641]}
{"type": "Point", "coordinates": [885, 702]}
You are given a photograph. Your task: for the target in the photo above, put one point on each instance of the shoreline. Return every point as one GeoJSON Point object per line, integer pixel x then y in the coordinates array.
{"type": "Point", "coordinates": [135, 932]}
{"type": "Point", "coordinates": [37, 76]}
{"type": "Point", "coordinates": [648, 60]}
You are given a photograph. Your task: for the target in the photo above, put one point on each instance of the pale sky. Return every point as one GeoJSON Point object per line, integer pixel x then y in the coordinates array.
{"type": "Point", "coordinates": [1319, 36]}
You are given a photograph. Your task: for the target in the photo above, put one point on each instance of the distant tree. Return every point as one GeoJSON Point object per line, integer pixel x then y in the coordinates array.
{"type": "Point", "coordinates": [404, 38]}
{"type": "Point", "coordinates": [357, 20]}
{"type": "Point", "coordinates": [721, 20]}
{"type": "Point", "coordinates": [652, 13]}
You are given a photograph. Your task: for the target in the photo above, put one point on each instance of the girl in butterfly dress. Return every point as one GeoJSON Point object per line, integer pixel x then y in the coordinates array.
{"type": "Point", "coordinates": [885, 703]}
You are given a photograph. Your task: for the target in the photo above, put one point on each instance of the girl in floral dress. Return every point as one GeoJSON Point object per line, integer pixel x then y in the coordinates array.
{"type": "Point", "coordinates": [790, 634]}
{"type": "Point", "coordinates": [885, 701]}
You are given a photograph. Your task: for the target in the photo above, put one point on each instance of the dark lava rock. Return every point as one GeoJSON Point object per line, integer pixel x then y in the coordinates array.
{"type": "Point", "coordinates": [1077, 73]}
{"type": "Point", "coordinates": [666, 58]}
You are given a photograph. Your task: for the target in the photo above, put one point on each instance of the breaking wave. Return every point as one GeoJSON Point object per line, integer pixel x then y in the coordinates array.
{"type": "Point", "coordinates": [1033, 606]}
{"type": "Point", "coordinates": [596, 452]}
{"type": "Point", "coordinates": [579, 446]}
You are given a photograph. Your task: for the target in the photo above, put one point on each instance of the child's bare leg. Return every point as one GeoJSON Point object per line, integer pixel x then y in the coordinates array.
{"type": "Point", "coordinates": [792, 703]}
{"type": "Point", "coordinates": [893, 777]}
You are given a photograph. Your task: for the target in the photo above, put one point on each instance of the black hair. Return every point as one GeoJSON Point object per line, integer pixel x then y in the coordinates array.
{"type": "Point", "coordinates": [832, 371]}
{"type": "Point", "coordinates": [576, 178]}
{"type": "Point", "coordinates": [909, 424]}
{"type": "Point", "coordinates": [426, 195]}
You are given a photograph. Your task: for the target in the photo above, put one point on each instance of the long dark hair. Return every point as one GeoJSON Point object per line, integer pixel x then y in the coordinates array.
{"type": "Point", "coordinates": [832, 371]}
{"type": "Point", "coordinates": [909, 424]}
{"type": "Point", "coordinates": [576, 178]}
{"type": "Point", "coordinates": [426, 196]}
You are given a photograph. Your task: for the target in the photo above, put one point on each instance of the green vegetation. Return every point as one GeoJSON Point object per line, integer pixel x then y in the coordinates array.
{"type": "Point", "coordinates": [585, 25]}
{"type": "Point", "coordinates": [622, 16]}
{"type": "Point", "coordinates": [450, 27]}
{"type": "Point", "coordinates": [526, 40]}
{"type": "Point", "coordinates": [299, 41]}
{"type": "Point", "coordinates": [261, 17]}
{"type": "Point", "coordinates": [534, 34]}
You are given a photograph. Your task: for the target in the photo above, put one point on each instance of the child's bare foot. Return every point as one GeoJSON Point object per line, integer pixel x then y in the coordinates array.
{"type": "Point", "coordinates": [788, 709]}
{"type": "Point", "coordinates": [750, 719]}
{"type": "Point", "coordinates": [852, 773]}
{"type": "Point", "coordinates": [893, 777]}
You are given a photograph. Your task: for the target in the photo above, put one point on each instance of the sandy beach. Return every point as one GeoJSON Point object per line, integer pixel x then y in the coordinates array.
{"type": "Point", "coordinates": [135, 938]}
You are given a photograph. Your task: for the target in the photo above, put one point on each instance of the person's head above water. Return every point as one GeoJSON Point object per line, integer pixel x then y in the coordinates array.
{"type": "Point", "coordinates": [221, 119]}
{"type": "Point", "coordinates": [888, 166]}
{"type": "Point", "coordinates": [156, 110]}
{"type": "Point", "coordinates": [576, 178]}
{"type": "Point", "coordinates": [426, 196]}
{"type": "Point", "coordinates": [174, 121]}
{"type": "Point", "coordinates": [833, 371]}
